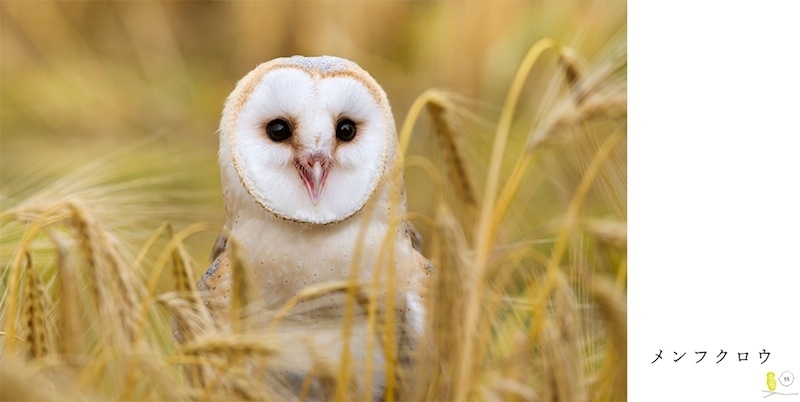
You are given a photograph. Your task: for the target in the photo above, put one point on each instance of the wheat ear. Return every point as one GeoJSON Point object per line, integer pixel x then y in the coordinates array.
{"type": "Point", "coordinates": [439, 109]}
{"type": "Point", "coordinates": [37, 335]}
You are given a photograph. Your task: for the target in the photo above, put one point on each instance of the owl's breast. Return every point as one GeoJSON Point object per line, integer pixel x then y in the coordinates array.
{"type": "Point", "coordinates": [286, 257]}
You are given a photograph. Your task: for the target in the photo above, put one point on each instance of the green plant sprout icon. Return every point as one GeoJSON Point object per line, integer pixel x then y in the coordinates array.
{"type": "Point", "coordinates": [785, 379]}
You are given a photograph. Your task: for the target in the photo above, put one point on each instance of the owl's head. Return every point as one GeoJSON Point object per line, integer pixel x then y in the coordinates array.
{"type": "Point", "coordinates": [307, 137]}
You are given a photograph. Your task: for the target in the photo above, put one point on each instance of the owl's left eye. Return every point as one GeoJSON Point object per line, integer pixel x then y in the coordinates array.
{"type": "Point", "coordinates": [279, 130]}
{"type": "Point", "coordinates": [346, 130]}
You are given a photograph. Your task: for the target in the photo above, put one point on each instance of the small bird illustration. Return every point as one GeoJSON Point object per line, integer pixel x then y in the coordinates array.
{"type": "Point", "coordinates": [313, 189]}
{"type": "Point", "coordinates": [771, 383]}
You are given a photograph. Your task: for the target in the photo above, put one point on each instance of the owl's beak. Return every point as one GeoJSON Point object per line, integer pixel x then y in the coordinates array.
{"type": "Point", "coordinates": [313, 172]}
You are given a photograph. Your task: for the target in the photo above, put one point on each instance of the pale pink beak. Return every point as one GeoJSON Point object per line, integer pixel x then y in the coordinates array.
{"type": "Point", "coordinates": [313, 169]}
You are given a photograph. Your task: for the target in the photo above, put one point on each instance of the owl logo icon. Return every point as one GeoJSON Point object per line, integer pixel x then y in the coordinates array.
{"type": "Point", "coordinates": [771, 383]}
{"type": "Point", "coordinates": [785, 379]}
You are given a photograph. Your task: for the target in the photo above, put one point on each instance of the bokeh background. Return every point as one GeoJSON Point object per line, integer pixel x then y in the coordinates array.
{"type": "Point", "coordinates": [82, 80]}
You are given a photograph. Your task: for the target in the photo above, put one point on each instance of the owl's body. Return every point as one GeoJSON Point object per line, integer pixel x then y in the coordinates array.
{"type": "Point", "coordinates": [313, 188]}
{"type": "Point", "coordinates": [285, 257]}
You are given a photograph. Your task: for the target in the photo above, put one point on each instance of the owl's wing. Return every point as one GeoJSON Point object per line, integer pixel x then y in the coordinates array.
{"type": "Point", "coordinates": [413, 234]}
{"type": "Point", "coordinates": [413, 316]}
{"type": "Point", "coordinates": [416, 243]}
{"type": "Point", "coordinates": [219, 245]}
{"type": "Point", "coordinates": [215, 284]}
{"type": "Point", "coordinates": [412, 310]}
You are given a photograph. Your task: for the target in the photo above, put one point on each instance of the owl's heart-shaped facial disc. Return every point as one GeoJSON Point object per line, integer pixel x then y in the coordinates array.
{"type": "Point", "coordinates": [307, 139]}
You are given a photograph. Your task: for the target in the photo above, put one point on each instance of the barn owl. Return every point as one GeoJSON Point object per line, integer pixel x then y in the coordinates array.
{"type": "Point", "coordinates": [310, 168]}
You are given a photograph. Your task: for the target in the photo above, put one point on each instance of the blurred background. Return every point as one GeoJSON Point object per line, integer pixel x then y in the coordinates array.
{"type": "Point", "coordinates": [144, 82]}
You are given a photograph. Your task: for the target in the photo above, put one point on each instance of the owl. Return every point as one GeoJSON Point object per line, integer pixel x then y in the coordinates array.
{"type": "Point", "coordinates": [771, 383]}
{"type": "Point", "coordinates": [313, 189]}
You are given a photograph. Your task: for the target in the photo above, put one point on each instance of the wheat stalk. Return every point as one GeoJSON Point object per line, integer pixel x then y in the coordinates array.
{"type": "Point", "coordinates": [574, 111]}
{"type": "Point", "coordinates": [69, 316]}
{"type": "Point", "coordinates": [14, 283]}
{"type": "Point", "coordinates": [158, 268]}
{"type": "Point", "coordinates": [609, 232]}
{"type": "Point", "coordinates": [240, 297]}
{"type": "Point", "coordinates": [192, 318]}
{"type": "Point", "coordinates": [612, 305]}
{"type": "Point", "coordinates": [441, 359]}
{"type": "Point", "coordinates": [343, 378]}
{"type": "Point", "coordinates": [439, 109]}
{"type": "Point", "coordinates": [37, 334]}
{"type": "Point", "coordinates": [486, 226]}
{"type": "Point", "coordinates": [240, 345]}
{"type": "Point", "coordinates": [112, 285]}
{"type": "Point", "coordinates": [561, 347]}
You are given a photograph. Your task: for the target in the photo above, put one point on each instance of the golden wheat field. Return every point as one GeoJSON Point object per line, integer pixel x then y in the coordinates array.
{"type": "Point", "coordinates": [512, 117]}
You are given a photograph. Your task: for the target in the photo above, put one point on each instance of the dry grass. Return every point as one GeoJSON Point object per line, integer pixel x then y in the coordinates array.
{"type": "Point", "coordinates": [499, 327]}
{"type": "Point", "coordinates": [527, 300]}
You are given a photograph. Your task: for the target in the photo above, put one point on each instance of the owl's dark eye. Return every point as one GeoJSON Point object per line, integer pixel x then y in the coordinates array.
{"type": "Point", "coordinates": [279, 130]}
{"type": "Point", "coordinates": [346, 130]}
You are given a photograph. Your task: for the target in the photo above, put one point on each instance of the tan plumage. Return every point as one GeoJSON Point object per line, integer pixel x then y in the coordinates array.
{"type": "Point", "coordinates": [215, 285]}
{"type": "Point", "coordinates": [305, 208]}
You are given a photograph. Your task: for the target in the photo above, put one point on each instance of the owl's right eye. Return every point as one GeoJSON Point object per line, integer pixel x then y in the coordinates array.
{"type": "Point", "coordinates": [279, 130]}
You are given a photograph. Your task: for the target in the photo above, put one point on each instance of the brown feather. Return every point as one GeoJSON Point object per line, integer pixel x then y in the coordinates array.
{"type": "Point", "coordinates": [215, 288]}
